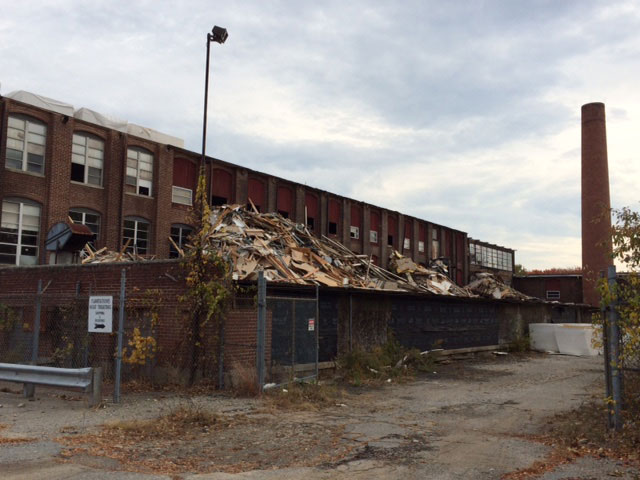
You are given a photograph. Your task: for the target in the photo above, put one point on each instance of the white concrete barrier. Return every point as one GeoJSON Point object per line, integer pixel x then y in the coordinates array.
{"type": "Point", "coordinates": [565, 338]}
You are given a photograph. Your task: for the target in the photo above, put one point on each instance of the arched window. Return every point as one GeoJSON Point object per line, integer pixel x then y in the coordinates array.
{"type": "Point", "coordinates": [87, 159]}
{"type": "Point", "coordinates": [26, 142]}
{"type": "Point", "coordinates": [179, 234]}
{"type": "Point", "coordinates": [19, 232]}
{"type": "Point", "coordinates": [136, 231]}
{"type": "Point", "coordinates": [139, 171]}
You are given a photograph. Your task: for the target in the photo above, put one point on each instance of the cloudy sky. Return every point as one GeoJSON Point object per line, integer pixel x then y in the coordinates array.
{"type": "Point", "coordinates": [464, 113]}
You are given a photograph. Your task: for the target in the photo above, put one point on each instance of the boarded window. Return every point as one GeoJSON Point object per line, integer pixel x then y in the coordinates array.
{"type": "Point", "coordinates": [285, 202]}
{"type": "Point", "coordinates": [257, 193]}
{"type": "Point", "coordinates": [222, 187]}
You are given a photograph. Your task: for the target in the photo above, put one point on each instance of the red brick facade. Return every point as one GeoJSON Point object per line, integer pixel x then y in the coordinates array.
{"type": "Point", "coordinates": [55, 193]}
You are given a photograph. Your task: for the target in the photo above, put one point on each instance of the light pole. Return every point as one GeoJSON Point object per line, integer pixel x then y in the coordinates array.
{"type": "Point", "coordinates": [218, 35]}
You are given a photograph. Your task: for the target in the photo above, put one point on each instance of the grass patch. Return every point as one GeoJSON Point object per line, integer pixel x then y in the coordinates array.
{"type": "Point", "coordinates": [304, 396]}
{"type": "Point", "coordinates": [388, 361]}
{"type": "Point", "coordinates": [181, 421]}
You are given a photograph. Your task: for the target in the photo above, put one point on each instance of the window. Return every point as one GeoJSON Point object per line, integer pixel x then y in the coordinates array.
{"type": "Point", "coordinates": [181, 195]}
{"type": "Point", "coordinates": [421, 246]}
{"type": "Point", "coordinates": [217, 201]}
{"type": "Point", "coordinates": [553, 295]}
{"type": "Point", "coordinates": [26, 140]}
{"type": "Point", "coordinates": [333, 228]}
{"type": "Point", "coordinates": [137, 231]}
{"type": "Point", "coordinates": [139, 171]}
{"type": "Point", "coordinates": [179, 234]}
{"type": "Point", "coordinates": [19, 229]}
{"type": "Point", "coordinates": [87, 158]}
{"type": "Point", "coordinates": [407, 244]}
{"type": "Point", "coordinates": [354, 232]}
{"type": "Point", "coordinates": [373, 236]}
{"type": "Point", "coordinates": [86, 217]}
{"type": "Point", "coordinates": [310, 223]}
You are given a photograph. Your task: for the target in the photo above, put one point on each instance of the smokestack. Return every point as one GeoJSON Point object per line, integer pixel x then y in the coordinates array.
{"type": "Point", "coordinates": [596, 219]}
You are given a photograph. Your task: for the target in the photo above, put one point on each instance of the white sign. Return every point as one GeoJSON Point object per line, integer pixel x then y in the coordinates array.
{"type": "Point", "coordinates": [100, 314]}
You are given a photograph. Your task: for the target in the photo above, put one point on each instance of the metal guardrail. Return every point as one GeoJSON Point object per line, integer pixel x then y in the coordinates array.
{"type": "Point", "coordinates": [89, 380]}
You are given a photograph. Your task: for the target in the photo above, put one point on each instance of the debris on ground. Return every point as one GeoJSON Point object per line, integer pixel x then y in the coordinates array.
{"type": "Point", "coordinates": [491, 286]}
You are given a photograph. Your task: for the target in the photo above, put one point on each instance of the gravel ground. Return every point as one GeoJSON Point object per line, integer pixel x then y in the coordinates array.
{"type": "Point", "coordinates": [471, 419]}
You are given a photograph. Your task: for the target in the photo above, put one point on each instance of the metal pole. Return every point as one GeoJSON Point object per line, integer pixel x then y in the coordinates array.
{"type": "Point", "coordinates": [29, 389]}
{"type": "Point", "coordinates": [35, 347]}
{"type": "Point", "coordinates": [317, 330]}
{"type": "Point", "coordinates": [116, 390]}
{"type": "Point", "coordinates": [206, 101]}
{"type": "Point", "coordinates": [262, 317]}
{"type": "Point", "coordinates": [614, 351]}
{"type": "Point", "coordinates": [350, 322]}
{"type": "Point", "coordinates": [607, 360]}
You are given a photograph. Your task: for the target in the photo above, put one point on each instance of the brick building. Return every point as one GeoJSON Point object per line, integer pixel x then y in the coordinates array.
{"type": "Point", "coordinates": [130, 183]}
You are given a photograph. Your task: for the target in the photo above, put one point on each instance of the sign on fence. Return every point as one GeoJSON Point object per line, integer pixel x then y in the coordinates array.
{"type": "Point", "coordinates": [101, 314]}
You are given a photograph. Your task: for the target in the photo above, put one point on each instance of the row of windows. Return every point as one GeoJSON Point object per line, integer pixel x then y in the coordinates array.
{"type": "Point", "coordinates": [26, 146]}
{"type": "Point", "coordinates": [490, 257]}
{"type": "Point", "coordinates": [20, 229]}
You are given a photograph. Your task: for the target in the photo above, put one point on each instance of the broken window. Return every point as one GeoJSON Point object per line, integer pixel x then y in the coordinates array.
{"type": "Point", "coordinates": [283, 213]}
{"type": "Point", "coordinates": [136, 231]}
{"type": "Point", "coordinates": [183, 196]}
{"type": "Point", "coordinates": [217, 201]}
{"type": "Point", "coordinates": [354, 232]}
{"type": "Point", "coordinates": [333, 228]}
{"type": "Point", "coordinates": [390, 240]}
{"type": "Point", "coordinates": [87, 159]}
{"type": "Point", "coordinates": [26, 141]}
{"type": "Point", "coordinates": [373, 236]}
{"type": "Point", "coordinates": [435, 244]}
{"type": "Point", "coordinates": [87, 217]}
{"type": "Point", "coordinates": [179, 234]}
{"type": "Point", "coordinates": [310, 223]}
{"type": "Point", "coordinates": [139, 171]}
{"type": "Point", "coordinates": [19, 229]}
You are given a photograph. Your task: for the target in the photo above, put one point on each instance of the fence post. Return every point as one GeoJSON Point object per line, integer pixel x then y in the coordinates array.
{"type": "Point", "coordinates": [116, 389]}
{"type": "Point", "coordinates": [350, 322]}
{"type": "Point", "coordinates": [614, 352]}
{"type": "Point", "coordinates": [262, 323]}
{"type": "Point", "coordinates": [607, 361]}
{"type": "Point", "coordinates": [317, 325]}
{"type": "Point", "coordinates": [30, 388]}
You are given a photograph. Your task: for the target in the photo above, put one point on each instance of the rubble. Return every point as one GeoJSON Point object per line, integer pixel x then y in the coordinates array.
{"type": "Point", "coordinates": [428, 279]}
{"type": "Point", "coordinates": [490, 286]}
{"type": "Point", "coordinates": [288, 252]}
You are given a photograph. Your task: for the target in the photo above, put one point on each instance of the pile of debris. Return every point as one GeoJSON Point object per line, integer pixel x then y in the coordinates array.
{"type": "Point", "coordinates": [102, 255]}
{"type": "Point", "coordinates": [425, 278]}
{"type": "Point", "coordinates": [491, 286]}
{"type": "Point", "coordinates": [288, 252]}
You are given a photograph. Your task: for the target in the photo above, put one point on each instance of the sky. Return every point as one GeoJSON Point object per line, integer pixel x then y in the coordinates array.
{"type": "Point", "coordinates": [465, 113]}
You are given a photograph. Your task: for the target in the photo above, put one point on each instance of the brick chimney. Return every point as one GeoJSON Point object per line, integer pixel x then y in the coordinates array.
{"type": "Point", "coordinates": [596, 224]}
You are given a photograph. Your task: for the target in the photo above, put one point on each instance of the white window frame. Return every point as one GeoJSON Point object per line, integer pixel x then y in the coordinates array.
{"type": "Point", "coordinates": [373, 236]}
{"type": "Point", "coordinates": [176, 196]}
{"type": "Point", "coordinates": [420, 246]}
{"type": "Point", "coordinates": [90, 154]}
{"type": "Point", "coordinates": [19, 245]}
{"type": "Point", "coordinates": [354, 232]}
{"type": "Point", "coordinates": [133, 245]}
{"type": "Point", "coordinates": [553, 294]}
{"type": "Point", "coordinates": [136, 157]}
{"type": "Point", "coordinates": [29, 137]}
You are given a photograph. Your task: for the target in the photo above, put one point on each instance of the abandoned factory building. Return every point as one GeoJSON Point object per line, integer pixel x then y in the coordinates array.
{"type": "Point", "coordinates": [131, 184]}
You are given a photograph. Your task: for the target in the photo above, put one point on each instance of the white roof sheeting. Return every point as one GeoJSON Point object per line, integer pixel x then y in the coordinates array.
{"type": "Point", "coordinates": [154, 135]}
{"type": "Point", "coordinates": [41, 102]}
{"type": "Point", "coordinates": [96, 118]}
